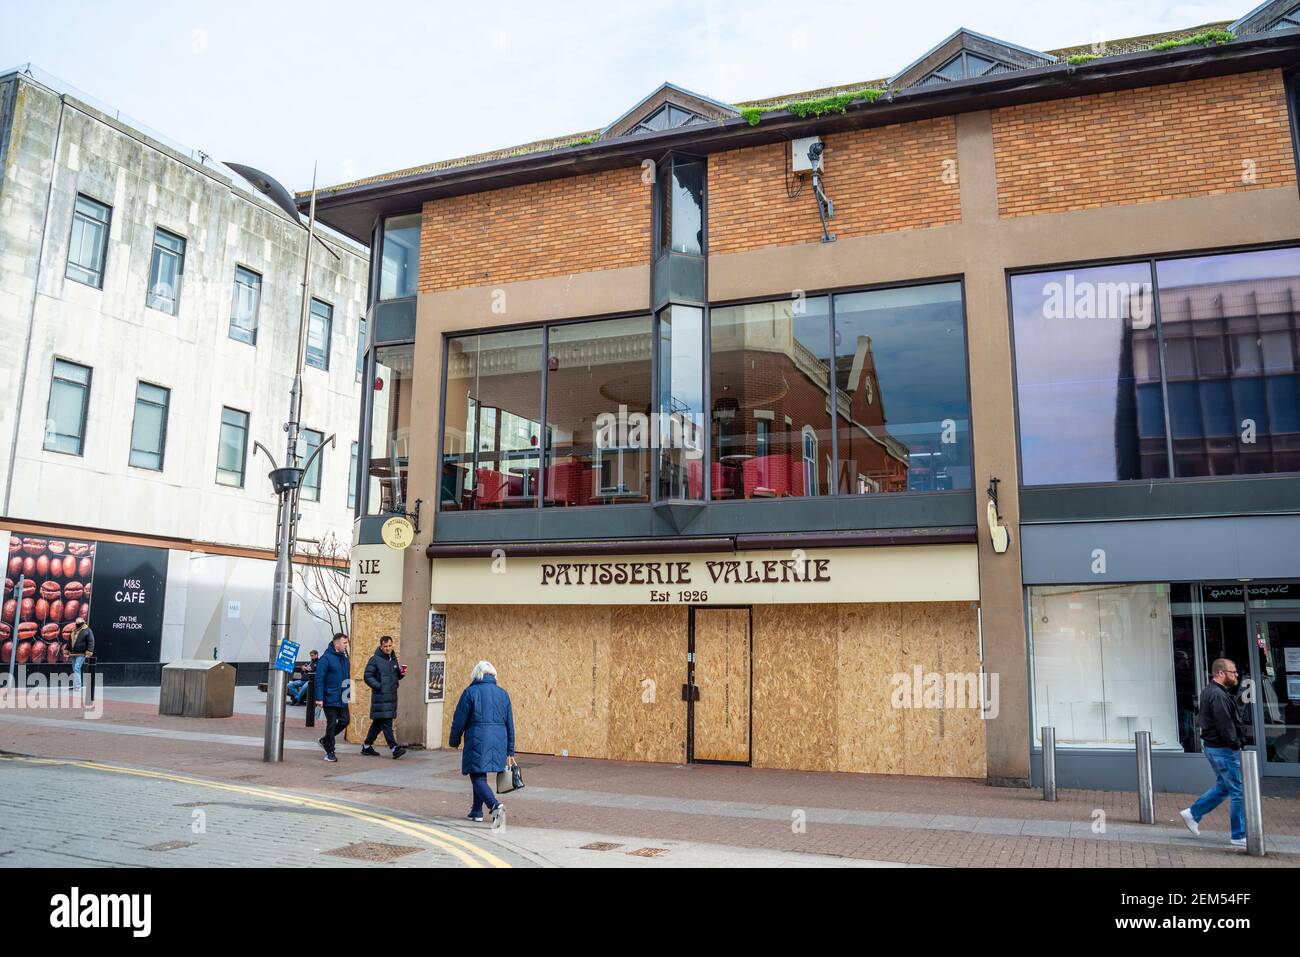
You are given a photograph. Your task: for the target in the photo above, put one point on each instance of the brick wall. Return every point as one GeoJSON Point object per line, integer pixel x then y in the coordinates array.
{"type": "Point", "coordinates": [1199, 138]}
{"type": "Point", "coordinates": [881, 180]}
{"type": "Point", "coordinates": [534, 231]}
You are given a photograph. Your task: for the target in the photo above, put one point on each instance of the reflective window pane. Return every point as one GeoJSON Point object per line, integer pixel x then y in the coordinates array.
{"type": "Point", "coordinates": [166, 266]}
{"type": "Point", "coordinates": [311, 478]}
{"type": "Point", "coordinates": [400, 267]}
{"type": "Point", "coordinates": [492, 434]}
{"type": "Point", "coordinates": [243, 307]}
{"type": "Point", "coordinates": [232, 447]}
{"type": "Point", "coordinates": [598, 405]}
{"type": "Point", "coordinates": [390, 428]}
{"type": "Point", "coordinates": [770, 363]}
{"type": "Point", "coordinates": [688, 207]}
{"type": "Point", "coordinates": [901, 393]}
{"type": "Point", "coordinates": [88, 246]}
{"type": "Point", "coordinates": [149, 426]}
{"type": "Point", "coordinates": [1088, 376]}
{"type": "Point", "coordinates": [1231, 355]}
{"type": "Point", "coordinates": [319, 322]}
{"type": "Point", "coordinates": [65, 417]}
{"type": "Point", "coordinates": [680, 402]}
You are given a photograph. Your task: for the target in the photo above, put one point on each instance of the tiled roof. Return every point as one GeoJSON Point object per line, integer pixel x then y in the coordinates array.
{"type": "Point", "coordinates": [1110, 47]}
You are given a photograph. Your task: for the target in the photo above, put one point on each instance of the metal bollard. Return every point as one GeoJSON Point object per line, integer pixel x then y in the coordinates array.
{"type": "Point", "coordinates": [1049, 764]}
{"type": "Point", "coordinates": [1251, 799]}
{"type": "Point", "coordinates": [1146, 795]}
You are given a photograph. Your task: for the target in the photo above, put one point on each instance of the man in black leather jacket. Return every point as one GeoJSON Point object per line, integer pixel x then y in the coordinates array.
{"type": "Point", "coordinates": [1222, 734]}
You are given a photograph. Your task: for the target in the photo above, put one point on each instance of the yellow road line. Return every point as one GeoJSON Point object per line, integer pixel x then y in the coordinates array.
{"type": "Point", "coordinates": [450, 843]}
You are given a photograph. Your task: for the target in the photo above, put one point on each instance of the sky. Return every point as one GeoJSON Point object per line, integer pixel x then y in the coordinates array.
{"type": "Point", "coordinates": [367, 88]}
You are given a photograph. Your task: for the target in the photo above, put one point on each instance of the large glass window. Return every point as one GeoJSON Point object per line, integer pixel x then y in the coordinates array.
{"type": "Point", "coordinates": [1104, 665]}
{"type": "Point", "coordinates": [149, 426]}
{"type": "Point", "coordinates": [680, 402]}
{"type": "Point", "coordinates": [681, 207]}
{"type": "Point", "coordinates": [1088, 376]}
{"type": "Point", "coordinates": [311, 479]}
{"type": "Point", "coordinates": [769, 378]}
{"type": "Point", "coordinates": [598, 403]}
{"type": "Point", "coordinates": [400, 267]}
{"type": "Point", "coordinates": [166, 268]}
{"type": "Point", "coordinates": [903, 407]}
{"type": "Point", "coordinates": [319, 322]}
{"type": "Point", "coordinates": [390, 428]}
{"type": "Point", "coordinates": [361, 347]}
{"type": "Point", "coordinates": [492, 440]}
{"type": "Point", "coordinates": [244, 304]}
{"type": "Point", "coordinates": [352, 478]}
{"type": "Point", "coordinates": [1232, 359]}
{"type": "Point", "coordinates": [88, 247]}
{"type": "Point", "coordinates": [232, 447]}
{"type": "Point", "coordinates": [65, 418]}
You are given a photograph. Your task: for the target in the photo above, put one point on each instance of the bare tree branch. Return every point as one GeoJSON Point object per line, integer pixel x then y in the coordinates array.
{"type": "Point", "coordinates": [322, 582]}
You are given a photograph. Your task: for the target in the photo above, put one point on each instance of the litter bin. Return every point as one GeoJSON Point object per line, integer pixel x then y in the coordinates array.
{"type": "Point", "coordinates": [197, 688]}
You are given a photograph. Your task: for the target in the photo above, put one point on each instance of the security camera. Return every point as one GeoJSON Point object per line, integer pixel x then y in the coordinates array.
{"type": "Point", "coordinates": [815, 153]}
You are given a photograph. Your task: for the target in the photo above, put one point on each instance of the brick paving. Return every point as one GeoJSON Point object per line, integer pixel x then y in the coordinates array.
{"type": "Point", "coordinates": [918, 821]}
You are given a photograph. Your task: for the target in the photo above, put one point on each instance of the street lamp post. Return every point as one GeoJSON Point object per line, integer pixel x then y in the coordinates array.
{"type": "Point", "coordinates": [286, 481]}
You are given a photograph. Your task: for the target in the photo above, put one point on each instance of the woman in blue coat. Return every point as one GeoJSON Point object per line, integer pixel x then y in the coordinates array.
{"type": "Point", "coordinates": [485, 720]}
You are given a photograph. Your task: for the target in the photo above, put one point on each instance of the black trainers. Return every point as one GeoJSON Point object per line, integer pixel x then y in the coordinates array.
{"type": "Point", "coordinates": [368, 751]}
{"type": "Point", "coordinates": [321, 742]}
{"type": "Point", "coordinates": [329, 756]}
{"type": "Point", "coordinates": [472, 816]}
{"type": "Point", "coordinates": [398, 752]}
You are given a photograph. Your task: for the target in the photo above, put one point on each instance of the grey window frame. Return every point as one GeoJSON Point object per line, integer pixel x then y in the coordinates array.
{"type": "Point", "coordinates": [107, 225]}
{"type": "Point", "coordinates": [84, 414]}
{"type": "Point", "coordinates": [234, 300]}
{"type": "Point", "coordinates": [329, 333]}
{"type": "Point", "coordinates": [361, 346]}
{"type": "Point", "coordinates": [243, 454]}
{"type": "Point", "coordinates": [157, 251]}
{"type": "Point", "coordinates": [162, 430]}
{"type": "Point", "coordinates": [353, 476]}
{"type": "Point", "coordinates": [312, 491]}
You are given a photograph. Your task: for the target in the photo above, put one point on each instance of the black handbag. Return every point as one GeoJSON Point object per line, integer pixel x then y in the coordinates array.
{"type": "Point", "coordinates": [511, 779]}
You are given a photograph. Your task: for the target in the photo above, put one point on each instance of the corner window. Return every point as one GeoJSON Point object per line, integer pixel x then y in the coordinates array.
{"type": "Point", "coordinates": [149, 426]}
{"type": "Point", "coordinates": [680, 403]}
{"type": "Point", "coordinates": [390, 428]}
{"type": "Point", "coordinates": [319, 322]}
{"type": "Point", "coordinates": [352, 479]}
{"type": "Point", "coordinates": [399, 275]}
{"type": "Point", "coordinates": [681, 207]}
{"type": "Point", "coordinates": [244, 305]}
{"type": "Point", "coordinates": [65, 416]}
{"type": "Point", "coordinates": [88, 247]}
{"type": "Point", "coordinates": [166, 270]}
{"type": "Point", "coordinates": [361, 347]}
{"type": "Point", "coordinates": [232, 448]}
{"type": "Point", "coordinates": [311, 479]}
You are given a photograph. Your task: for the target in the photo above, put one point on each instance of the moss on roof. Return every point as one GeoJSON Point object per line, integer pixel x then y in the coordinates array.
{"type": "Point", "coordinates": [1106, 48]}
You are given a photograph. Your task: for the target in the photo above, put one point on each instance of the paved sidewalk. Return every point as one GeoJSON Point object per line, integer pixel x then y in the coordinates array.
{"type": "Point", "coordinates": [704, 813]}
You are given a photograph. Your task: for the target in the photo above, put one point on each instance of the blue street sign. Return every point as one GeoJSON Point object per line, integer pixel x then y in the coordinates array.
{"type": "Point", "coordinates": [287, 656]}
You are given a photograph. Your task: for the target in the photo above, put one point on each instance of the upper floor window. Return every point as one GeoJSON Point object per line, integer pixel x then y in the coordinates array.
{"type": "Point", "coordinates": [1092, 394]}
{"type": "Point", "coordinates": [319, 322]}
{"type": "Point", "coordinates": [667, 117]}
{"type": "Point", "coordinates": [149, 426]}
{"type": "Point", "coordinates": [965, 66]}
{"type": "Point", "coordinates": [88, 248]}
{"type": "Point", "coordinates": [311, 479]}
{"type": "Point", "coordinates": [244, 305]}
{"type": "Point", "coordinates": [361, 347]}
{"type": "Point", "coordinates": [232, 447]}
{"type": "Point", "coordinates": [65, 416]}
{"type": "Point", "coordinates": [166, 270]}
{"type": "Point", "coordinates": [352, 479]}
{"type": "Point", "coordinates": [680, 226]}
{"type": "Point", "coordinates": [391, 380]}
{"type": "Point", "coordinates": [400, 265]}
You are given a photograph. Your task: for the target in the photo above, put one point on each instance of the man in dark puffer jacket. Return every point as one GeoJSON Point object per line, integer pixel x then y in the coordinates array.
{"type": "Point", "coordinates": [382, 675]}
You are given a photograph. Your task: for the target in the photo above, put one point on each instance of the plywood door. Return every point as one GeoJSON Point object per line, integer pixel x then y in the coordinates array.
{"type": "Point", "coordinates": [720, 730]}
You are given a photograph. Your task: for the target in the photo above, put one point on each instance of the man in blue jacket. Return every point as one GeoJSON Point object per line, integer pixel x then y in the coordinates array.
{"type": "Point", "coordinates": [333, 676]}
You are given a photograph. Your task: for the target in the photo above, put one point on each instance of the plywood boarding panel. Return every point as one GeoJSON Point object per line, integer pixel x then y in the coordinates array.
{"type": "Point", "coordinates": [870, 639]}
{"type": "Point", "coordinates": [647, 717]}
{"type": "Point", "coordinates": [369, 622]}
{"type": "Point", "coordinates": [795, 707]}
{"type": "Point", "coordinates": [579, 643]}
{"type": "Point", "coordinates": [722, 672]}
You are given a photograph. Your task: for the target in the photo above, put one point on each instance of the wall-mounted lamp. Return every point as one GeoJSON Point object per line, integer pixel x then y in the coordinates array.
{"type": "Point", "coordinates": [998, 531]}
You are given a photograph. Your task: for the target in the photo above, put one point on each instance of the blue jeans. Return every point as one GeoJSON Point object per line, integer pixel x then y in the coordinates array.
{"type": "Point", "coordinates": [78, 662]}
{"type": "Point", "coordinates": [297, 689]}
{"type": "Point", "coordinates": [1227, 784]}
{"type": "Point", "coordinates": [482, 793]}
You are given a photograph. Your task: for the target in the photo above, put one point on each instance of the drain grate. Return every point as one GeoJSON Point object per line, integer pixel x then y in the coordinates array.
{"type": "Point", "coordinates": [648, 852]}
{"type": "Point", "coordinates": [169, 846]}
{"type": "Point", "coordinates": [601, 846]}
{"type": "Point", "coordinates": [372, 851]}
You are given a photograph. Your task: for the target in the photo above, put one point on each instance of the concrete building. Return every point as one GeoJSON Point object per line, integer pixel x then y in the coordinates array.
{"type": "Point", "coordinates": [858, 337]}
{"type": "Point", "coordinates": [149, 302]}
